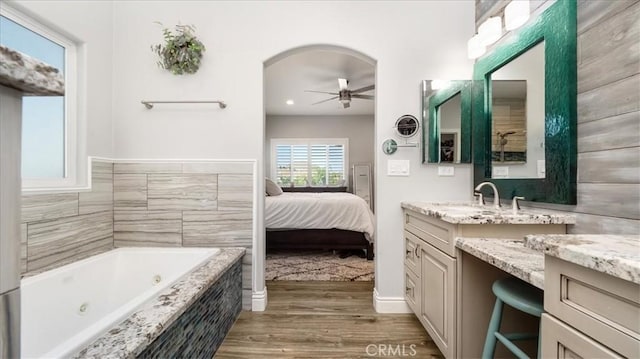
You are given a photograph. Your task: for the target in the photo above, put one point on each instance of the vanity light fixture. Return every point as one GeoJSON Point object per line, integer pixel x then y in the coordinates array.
{"type": "Point", "coordinates": [516, 14]}
{"type": "Point", "coordinates": [289, 102]}
{"type": "Point", "coordinates": [475, 48]}
{"type": "Point", "coordinates": [490, 31]}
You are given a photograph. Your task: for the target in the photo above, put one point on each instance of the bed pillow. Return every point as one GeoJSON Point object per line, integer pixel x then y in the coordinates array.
{"type": "Point", "coordinates": [272, 188]}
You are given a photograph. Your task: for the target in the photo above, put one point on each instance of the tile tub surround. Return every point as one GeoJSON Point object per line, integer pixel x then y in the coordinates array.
{"type": "Point", "coordinates": [616, 255]}
{"type": "Point", "coordinates": [509, 255]}
{"type": "Point", "coordinates": [185, 204]}
{"type": "Point", "coordinates": [199, 331]}
{"type": "Point", "coordinates": [470, 213]}
{"type": "Point", "coordinates": [131, 337]}
{"type": "Point", "coordinates": [58, 228]}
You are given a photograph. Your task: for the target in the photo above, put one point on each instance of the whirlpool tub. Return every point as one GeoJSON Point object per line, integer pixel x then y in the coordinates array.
{"type": "Point", "coordinates": [66, 309]}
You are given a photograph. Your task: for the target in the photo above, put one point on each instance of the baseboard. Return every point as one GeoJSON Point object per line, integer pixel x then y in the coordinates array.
{"type": "Point", "coordinates": [259, 301]}
{"type": "Point", "coordinates": [389, 304]}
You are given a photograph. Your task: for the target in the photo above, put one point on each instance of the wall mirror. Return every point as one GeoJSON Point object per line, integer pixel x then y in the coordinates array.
{"type": "Point", "coordinates": [517, 117]}
{"type": "Point", "coordinates": [446, 115]}
{"type": "Point", "coordinates": [524, 109]}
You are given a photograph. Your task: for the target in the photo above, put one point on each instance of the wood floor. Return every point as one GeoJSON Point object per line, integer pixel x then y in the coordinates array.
{"type": "Point", "coordinates": [325, 320]}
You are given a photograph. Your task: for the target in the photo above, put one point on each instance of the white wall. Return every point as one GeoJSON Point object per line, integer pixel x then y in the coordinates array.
{"type": "Point", "coordinates": [358, 129]}
{"type": "Point", "coordinates": [90, 25]}
{"type": "Point", "coordinates": [410, 40]}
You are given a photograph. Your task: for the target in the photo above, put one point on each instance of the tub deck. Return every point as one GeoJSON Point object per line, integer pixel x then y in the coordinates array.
{"type": "Point", "coordinates": [131, 337]}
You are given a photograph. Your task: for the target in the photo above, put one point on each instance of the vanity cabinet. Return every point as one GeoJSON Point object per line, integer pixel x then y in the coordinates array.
{"type": "Point", "coordinates": [599, 306]}
{"type": "Point", "coordinates": [433, 271]}
{"type": "Point", "coordinates": [430, 274]}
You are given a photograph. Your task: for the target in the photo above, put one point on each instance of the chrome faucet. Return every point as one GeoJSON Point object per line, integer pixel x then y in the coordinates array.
{"type": "Point", "coordinates": [496, 196]}
{"type": "Point", "coordinates": [515, 205]}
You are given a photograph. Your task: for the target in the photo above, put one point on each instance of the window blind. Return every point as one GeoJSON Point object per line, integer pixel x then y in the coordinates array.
{"type": "Point", "coordinates": [310, 164]}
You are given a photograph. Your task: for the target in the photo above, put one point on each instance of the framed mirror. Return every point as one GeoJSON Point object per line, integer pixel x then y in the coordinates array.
{"type": "Point", "coordinates": [446, 113]}
{"type": "Point", "coordinates": [524, 110]}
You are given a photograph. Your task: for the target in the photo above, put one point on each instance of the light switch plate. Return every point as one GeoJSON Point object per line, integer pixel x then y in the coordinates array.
{"type": "Point", "coordinates": [446, 171]}
{"type": "Point", "coordinates": [500, 172]}
{"type": "Point", "coordinates": [398, 167]}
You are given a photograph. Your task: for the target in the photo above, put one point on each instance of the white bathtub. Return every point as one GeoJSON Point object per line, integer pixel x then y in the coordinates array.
{"type": "Point", "coordinates": [65, 309]}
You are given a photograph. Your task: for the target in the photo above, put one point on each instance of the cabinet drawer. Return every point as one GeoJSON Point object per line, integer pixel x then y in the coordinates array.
{"type": "Point", "coordinates": [603, 307]}
{"type": "Point", "coordinates": [433, 231]}
{"type": "Point", "coordinates": [411, 246]}
{"type": "Point", "coordinates": [561, 341]}
{"type": "Point", "coordinates": [412, 291]}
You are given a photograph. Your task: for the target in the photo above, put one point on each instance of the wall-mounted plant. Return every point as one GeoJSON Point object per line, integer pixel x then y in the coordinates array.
{"type": "Point", "coordinates": [181, 52]}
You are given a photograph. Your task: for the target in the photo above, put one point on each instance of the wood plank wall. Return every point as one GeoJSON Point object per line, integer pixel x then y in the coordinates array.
{"type": "Point", "coordinates": [608, 113]}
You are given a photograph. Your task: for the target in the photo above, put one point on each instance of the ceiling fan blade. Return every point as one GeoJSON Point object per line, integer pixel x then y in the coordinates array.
{"type": "Point", "coordinates": [366, 97]}
{"type": "Point", "coordinates": [330, 93]}
{"type": "Point", "coordinates": [364, 89]}
{"type": "Point", "coordinates": [346, 104]}
{"type": "Point", "coordinates": [343, 84]}
{"type": "Point", "coordinates": [329, 99]}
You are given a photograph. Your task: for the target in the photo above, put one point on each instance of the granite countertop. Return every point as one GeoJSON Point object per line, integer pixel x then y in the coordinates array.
{"type": "Point", "coordinates": [130, 337]}
{"type": "Point", "coordinates": [616, 255]}
{"type": "Point", "coordinates": [509, 255]}
{"type": "Point", "coordinates": [471, 213]}
{"type": "Point", "coordinates": [26, 74]}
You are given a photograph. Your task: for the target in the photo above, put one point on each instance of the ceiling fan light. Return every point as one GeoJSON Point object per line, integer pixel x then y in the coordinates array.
{"type": "Point", "coordinates": [490, 31]}
{"type": "Point", "coordinates": [475, 48]}
{"type": "Point", "coordinates": [516, 14]}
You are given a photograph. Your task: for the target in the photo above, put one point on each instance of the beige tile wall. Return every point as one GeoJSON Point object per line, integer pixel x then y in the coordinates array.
{"type": "Point", "coordinates": [185, 204]}
{"type": "Point", "coordinates": [63, 227]}
{"type": "Point", "coordinates": [208, 204]}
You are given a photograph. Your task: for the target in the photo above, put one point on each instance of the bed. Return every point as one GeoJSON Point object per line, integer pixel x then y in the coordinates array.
{"type": "Point", "coordinates": [319, 221]}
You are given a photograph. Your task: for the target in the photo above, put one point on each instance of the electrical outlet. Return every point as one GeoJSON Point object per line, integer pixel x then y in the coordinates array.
{"type": "Point", "coordinates": [446, 171]}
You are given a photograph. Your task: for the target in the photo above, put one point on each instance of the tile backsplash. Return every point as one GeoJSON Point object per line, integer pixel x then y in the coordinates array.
{"type": "Point", "coordinates": [197, 204]}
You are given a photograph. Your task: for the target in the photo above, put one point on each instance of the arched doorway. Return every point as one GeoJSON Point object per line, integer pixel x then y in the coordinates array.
{"type": "Point", "coordinates": [329, 85]}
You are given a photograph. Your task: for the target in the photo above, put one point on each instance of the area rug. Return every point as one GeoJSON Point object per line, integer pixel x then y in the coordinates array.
{"type": "Point", "coordinates": [317, 266]}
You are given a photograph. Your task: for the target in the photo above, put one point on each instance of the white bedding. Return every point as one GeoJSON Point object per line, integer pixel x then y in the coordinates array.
{"type": "Point", "coordinates": [319, 211]}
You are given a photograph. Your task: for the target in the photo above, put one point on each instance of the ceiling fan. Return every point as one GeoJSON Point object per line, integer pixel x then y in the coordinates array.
{"type": "Point", "coordinates": [344, 95]}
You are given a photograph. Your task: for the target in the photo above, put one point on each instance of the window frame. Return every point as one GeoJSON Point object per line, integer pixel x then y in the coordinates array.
{"type": "Point", "coordinates": [309, 142]}
{"type": "Point", "coordinates": [71, 154]}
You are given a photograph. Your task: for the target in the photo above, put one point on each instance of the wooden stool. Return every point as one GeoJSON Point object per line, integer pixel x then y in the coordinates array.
{"type": "Point", "coordinates": [521, 296]}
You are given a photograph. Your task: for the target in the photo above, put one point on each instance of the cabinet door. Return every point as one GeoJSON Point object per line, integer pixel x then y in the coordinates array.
{"type": "Point", "coordinates": [437, 274]}
{"type": "Point", "coordinates": [562, 341]}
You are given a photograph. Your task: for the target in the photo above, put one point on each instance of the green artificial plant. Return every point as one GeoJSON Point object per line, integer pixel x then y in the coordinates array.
{"type": "Point", "coordinates": [181, 52]}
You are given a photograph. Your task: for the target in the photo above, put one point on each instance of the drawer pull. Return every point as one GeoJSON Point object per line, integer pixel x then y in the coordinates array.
{"type": "Point", "coordinates": [417, 251]}
{"type": "Point", "coordinates": [408, 254]}
{"type": "Point", "coordinates": [410, 289]}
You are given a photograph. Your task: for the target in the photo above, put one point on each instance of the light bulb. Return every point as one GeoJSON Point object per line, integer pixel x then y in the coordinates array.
{"type": "Point", "coordinates": [490, 30]}
{"type": "Point", "coordinates": [475, 48]}
{"type": "Point", "coordinates": [516, 14]}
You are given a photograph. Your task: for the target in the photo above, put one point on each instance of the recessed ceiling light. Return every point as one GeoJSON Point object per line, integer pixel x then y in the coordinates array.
{"type": "Point", "coordinates": [289, 102]}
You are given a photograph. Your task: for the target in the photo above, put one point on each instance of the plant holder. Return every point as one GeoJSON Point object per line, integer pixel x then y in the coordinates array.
{"type": "Point", "coordinates": [181, 52]}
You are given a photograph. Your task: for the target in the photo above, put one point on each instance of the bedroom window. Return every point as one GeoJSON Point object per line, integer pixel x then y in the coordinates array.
{"type": "Point", "coordinates": [48, 122]}
{"type": "Point", "coordinates": [309, 162]}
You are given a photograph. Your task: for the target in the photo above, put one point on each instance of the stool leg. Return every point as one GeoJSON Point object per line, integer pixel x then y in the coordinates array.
{"type": "Point", "coordinates": [539, 354]}
{"type": "Point", "coordinates": [494, 326]}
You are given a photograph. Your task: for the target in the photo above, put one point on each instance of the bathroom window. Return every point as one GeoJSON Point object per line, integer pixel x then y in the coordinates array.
{"type": "Point", "coordinates": [48, 122]}
{"type": "Point", "coordinates": [309, 162]}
